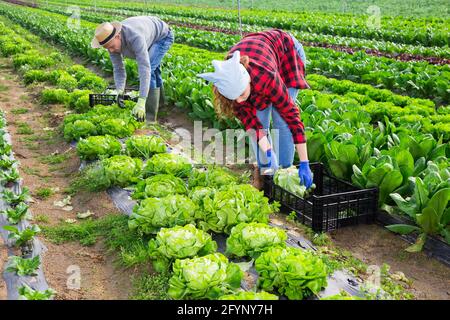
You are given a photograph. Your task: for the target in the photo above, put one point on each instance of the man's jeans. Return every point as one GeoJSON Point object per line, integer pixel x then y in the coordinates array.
{"type": "Point", "coordinates": [283, 143]}
{"type": "Point", "coordinates": [156, 53]}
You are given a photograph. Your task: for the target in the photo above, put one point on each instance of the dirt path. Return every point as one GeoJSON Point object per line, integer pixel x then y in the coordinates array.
{"type": "Point", "coordinates": [375, 245]}
{"type": "Point", "coordinates": [3, 259]}
{"type": "Point", "coordinates": [47, 161]}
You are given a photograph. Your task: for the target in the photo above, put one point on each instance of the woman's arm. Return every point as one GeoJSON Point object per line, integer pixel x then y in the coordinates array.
{"type": "Point", "coordinates": [302, 151]}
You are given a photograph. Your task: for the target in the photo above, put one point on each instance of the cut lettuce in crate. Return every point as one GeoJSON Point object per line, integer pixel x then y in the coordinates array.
{"type": "Point", "coordinates": [132, 94]}
{"type": "Point", "coordinates": [95, 147]}
{"type": "Point", "coordinates": [293, 272]}
{"type": "Point", "coordinates": [233, 205]}
{"type": "Point", "coordinates": [152, 214]}
{"type": "Point", "coordinates": [289, 180]}
{"type": "Point", "coordinates": [249, 295]}
{"type": "Point", "coordinates": [169, 163]}
{"type": "Point", "coordinates": [179, 242]}
{"type": "Point", "coordinates": [207, 277]}
{"type": "Point", "coordinates": [211, 177]}
{"type": "Point", "coordinates": [159, 186]}
{"type": "Point", "coordinates": [145, 146]}
{"type": "Point", "coordinates": [250, 239]}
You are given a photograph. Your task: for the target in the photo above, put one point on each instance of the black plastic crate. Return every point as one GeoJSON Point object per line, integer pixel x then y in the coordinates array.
{"type": "Point", "coordinates": [333, 204]}
{"type": "Point", "coordinates": [107, 99]}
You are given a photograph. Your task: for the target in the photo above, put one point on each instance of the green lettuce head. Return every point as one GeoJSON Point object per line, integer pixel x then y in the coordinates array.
{"type": "Point", "coordinates": [179, 242]}
{"type": "Point", "coordinates": [233, 205]}
{"type": "Point", "coordinates": [293, 272]}
{"type": "Point", "coordinates": [250, 239]}
{"type": "Point", "coordinates": [152, 214]}
{"type": "Point", "coordinates": [207, 277]}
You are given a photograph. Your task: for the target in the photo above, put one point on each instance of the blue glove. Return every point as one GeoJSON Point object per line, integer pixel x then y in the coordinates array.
{"type": "Point", "coordinates": [271, 161]}
{"type": "Point", "coordinates": [305, 174]}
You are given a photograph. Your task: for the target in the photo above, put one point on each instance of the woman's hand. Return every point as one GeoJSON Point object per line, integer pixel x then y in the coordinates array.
{"type": "Point", "coordinates": [305, 174]}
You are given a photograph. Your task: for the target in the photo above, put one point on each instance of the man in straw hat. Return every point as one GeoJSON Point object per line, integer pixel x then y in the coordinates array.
{"type": "Point", "coordinates": [146, 39]}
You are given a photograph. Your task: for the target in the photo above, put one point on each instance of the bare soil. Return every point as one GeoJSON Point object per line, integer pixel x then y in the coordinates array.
{"type": "Point", "coordinates": [99, 277]}
{"type": "Point", "coordinates": [376, 245]}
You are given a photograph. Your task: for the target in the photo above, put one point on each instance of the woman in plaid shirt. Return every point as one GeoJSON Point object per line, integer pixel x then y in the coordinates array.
{"type": "Point", "coordinates": [260, 79]}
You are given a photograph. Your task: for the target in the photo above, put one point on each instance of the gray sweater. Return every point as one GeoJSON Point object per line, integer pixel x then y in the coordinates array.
{"type": "Point", "coordinates": [138, 35]}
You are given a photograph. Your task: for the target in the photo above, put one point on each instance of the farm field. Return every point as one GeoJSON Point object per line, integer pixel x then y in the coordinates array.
{"type": "Point", "coordinates": [95, 205]}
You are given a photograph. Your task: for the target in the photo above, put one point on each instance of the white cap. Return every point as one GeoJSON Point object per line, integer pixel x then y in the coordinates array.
{"type": "Point", "coordinates": [230, 76]}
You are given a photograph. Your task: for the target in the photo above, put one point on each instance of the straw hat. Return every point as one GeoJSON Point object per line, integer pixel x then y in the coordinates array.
{"type": "Point", "coordinates": [104, 33]}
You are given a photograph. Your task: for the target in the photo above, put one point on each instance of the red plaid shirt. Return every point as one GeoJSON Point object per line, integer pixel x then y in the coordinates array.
{"type": "Point", "coordinates": [275, 66]}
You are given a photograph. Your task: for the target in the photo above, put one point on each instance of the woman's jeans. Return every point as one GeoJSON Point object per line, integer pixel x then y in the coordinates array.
{"type": "Point", "coordinates": [280, 136]}
{"type": "Point", "coordinates": [156, 53]}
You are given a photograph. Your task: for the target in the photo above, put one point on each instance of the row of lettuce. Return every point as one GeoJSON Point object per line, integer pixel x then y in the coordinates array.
{"type": "Point", "coordinates": [177, 204]}
{"type": "Point", "coordinates": [87, 13]}
{"type": "Point", "coordinates": [389, 155]}
{"type": "Point", "coordinates": [425, 31]}
{"type": "Point", "coordinates": [417, 79]}
{"type": "Point", "coordinates": [16, 210]}
{"type": "Point", "coordinates": [187, 91]}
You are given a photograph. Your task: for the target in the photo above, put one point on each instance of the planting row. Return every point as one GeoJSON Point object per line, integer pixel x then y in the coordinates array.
{"type": "Point", "coordinates": [20, 234]}
{"type": "Point", "coordinates": [426, 31]}
{"type": "Point", "coordinates": [417, 79]}
{"type": "Point", "coordinates": [15, 213]}
{"type": "Point", "coordinates": [435, 55]}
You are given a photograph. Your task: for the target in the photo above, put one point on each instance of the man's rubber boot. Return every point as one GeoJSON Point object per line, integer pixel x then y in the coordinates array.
{"type": "Point", "coordinates": [257, 178]}
{"type": "Point", "coordinates": [162, 97]}
{"type": "Point", "coordinates": [152, 105]}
